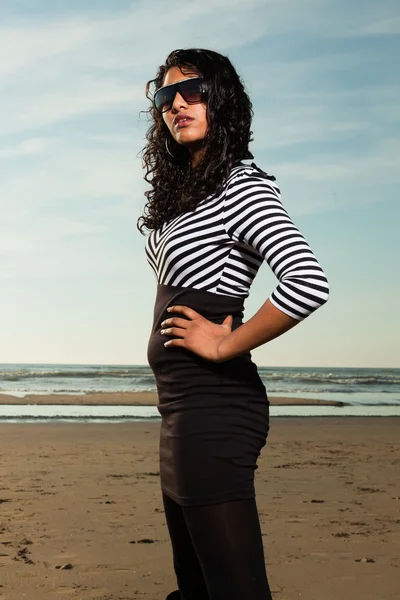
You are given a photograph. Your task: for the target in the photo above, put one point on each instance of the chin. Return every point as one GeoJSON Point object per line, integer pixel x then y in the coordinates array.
{"type": "Point", "coordinates": [189, 141]}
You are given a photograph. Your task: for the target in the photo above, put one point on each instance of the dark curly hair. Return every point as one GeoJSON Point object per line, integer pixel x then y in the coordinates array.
{"type": "Point", "coordinates": [176, 187]}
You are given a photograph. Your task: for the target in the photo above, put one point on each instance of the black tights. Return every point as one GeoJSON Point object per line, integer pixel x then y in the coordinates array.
{"type": "Point", "coordinates": [218, 550]}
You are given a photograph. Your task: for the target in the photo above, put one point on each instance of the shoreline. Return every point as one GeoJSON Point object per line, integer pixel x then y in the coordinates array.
{"type": "Point", "coordinates": [136, 399]}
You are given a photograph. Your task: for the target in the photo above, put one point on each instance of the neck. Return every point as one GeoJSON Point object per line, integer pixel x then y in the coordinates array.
{"type": "Point", "coordinates": [196, 156]}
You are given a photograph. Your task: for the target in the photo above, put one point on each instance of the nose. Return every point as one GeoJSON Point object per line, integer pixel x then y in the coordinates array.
{"type": "Point", "coordinates": [178, 103]}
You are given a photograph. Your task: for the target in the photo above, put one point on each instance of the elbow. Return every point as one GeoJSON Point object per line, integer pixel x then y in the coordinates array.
{"type": "Point", "coordinates": [320, 295]}
{"type": "Point", "coordinates": [324, 294]}
{"type": "Point", "coordinates": [327, 290]}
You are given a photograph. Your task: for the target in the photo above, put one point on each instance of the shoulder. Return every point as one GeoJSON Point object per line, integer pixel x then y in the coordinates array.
{"type": "Point", "coordinates": [245, 181]}
{"type": "Point", "coordinates": [249, 176]}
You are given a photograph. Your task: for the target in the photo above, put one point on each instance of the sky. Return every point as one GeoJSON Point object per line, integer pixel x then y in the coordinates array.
{"type": "Point", "coordinates": [323, 76]}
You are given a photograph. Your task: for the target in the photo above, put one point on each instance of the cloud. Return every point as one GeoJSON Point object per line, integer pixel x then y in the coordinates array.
{"type": "Point", "coordinates": [384, 27]}
{"type": "Point", "coordinates": [80, 97]}
{"type": "Point", "coordinates": [68, 67]}
{"type": "Point", "coordinates": [23, 46]}
{"type": "Point", "coordinates": [74, 171]}
{"type": "Point", "coordinates": [65, 210]}
{"type": "Point", "coordinates": [58, 67]}
{"type": "Point", "coordinates": [307, 124]}
{"type": "Point", "coordinates": [25, 148]}
{"type": "Point", "coordinates": [382, 159]}
{"type": "Point", "coordinates": [80, 36]}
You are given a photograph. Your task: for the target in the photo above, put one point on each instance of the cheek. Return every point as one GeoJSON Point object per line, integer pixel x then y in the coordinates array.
{"type": "Point", "coordinates": [168, 120]}
{"type": "Point", "coordinates": [202, 116]}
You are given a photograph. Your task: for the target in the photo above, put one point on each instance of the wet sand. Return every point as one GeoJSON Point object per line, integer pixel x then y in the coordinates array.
{"type": "Point", "coordinates": [134, 399]}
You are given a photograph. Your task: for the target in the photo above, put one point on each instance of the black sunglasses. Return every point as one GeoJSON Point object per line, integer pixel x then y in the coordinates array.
{"type": "Point", "coordinates": [192, 91]}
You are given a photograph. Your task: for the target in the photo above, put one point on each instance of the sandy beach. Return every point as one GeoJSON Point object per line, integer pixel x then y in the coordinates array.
{"type": "Point", "coordinates": [133, 399]}
{"type": "Point", "coordinates": [81, 513]}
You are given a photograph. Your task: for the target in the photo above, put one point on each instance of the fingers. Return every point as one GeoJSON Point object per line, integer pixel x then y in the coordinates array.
{"type": "Point", "coordinates": [228, 321]}
{"type": "Point", "coordinates": [179, 325]}
{"type": "Point", "coordinates": [173, 331]}
{"type": "Point", "coordinates": [184, 310]}
{"type": "Point", "coordinates": [175, 322]}
{"type": "Point", "coordinates": [175, 342]}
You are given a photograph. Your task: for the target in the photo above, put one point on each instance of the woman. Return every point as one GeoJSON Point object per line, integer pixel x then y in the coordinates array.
{"type": "Point", "coordinates": [213, 220]}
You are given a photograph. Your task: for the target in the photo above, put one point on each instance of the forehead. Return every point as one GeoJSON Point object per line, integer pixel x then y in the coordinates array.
{"type": "Point", "coordinates": [175, 74]}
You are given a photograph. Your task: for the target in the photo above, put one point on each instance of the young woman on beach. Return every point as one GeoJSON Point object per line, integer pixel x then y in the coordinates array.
{"type": "Point", "coordinates": [213, 219]}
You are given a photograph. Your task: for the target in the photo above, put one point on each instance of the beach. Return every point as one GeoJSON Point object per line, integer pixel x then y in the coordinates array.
{"type": "Point", "coordinates": [81, 513]}
{"type": "Point", "coordinates": [132, 399]}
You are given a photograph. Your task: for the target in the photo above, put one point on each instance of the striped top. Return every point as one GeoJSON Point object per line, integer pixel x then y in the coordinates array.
{"type": "Point", "coordinates": [220, 245]}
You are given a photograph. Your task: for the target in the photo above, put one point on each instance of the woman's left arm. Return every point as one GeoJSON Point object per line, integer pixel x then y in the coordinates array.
{"type": "Point", "coordinates": [219, 343]}
{"type": "Point", "coordinates": [255, 217]}
{"type": "Point", "coordinates": [267, 324]}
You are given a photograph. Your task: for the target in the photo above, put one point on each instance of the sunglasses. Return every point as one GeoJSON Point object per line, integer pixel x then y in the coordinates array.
{"type": "Point", "coordinates": [192, 91]}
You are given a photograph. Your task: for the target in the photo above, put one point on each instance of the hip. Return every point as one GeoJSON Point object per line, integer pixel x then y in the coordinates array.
{"type": "Point", "coordinates": [179, 372]}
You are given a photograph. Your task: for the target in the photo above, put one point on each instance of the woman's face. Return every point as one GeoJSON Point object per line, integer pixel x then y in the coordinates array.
{"type": "Point", "coordinates": [189, 132]}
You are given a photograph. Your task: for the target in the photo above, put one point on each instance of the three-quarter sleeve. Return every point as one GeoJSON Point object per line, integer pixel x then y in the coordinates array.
{"type": "Point", "coordinates": [255, 217]}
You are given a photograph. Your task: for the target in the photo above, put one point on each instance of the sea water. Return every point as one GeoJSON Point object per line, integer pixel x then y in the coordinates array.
{"type": "Point", "coordinates": [365, 392]}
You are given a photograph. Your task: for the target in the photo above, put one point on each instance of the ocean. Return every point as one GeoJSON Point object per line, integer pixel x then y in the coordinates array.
{"type": "Point", "coordinates": [366, 391]}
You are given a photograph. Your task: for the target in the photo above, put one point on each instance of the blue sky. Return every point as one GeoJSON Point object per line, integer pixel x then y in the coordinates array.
{"type": "Point", "coordinates": [324, 79]}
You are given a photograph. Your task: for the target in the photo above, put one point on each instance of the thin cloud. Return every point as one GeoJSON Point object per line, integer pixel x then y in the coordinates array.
{"type": "Point", "coordinates": [69, 67]}
{"type": "Point", "coordinates": [88, 96]}
{"type": "Point", "coordinates": [339, 168]}
{"type": "Point", "coordinates": [384, 27]}
{"type": "Point", "coordinates": [25, 148]}
{"type": "Point", "coordinates": [23, 46]}
{"type": "Point", "coordinates": [72, 171]}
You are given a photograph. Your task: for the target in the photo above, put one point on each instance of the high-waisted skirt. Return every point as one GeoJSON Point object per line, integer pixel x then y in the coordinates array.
{"type": "Point", "coordinates": [215, 416]}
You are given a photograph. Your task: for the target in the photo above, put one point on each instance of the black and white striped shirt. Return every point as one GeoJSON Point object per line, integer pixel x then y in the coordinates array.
{"type": "Point", "coordinates": [220, 246]}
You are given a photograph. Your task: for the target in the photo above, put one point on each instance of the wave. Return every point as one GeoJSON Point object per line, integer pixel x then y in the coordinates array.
{"type": "Point", "coordinates": [144, 377]}
{"type": "Point", "coordinates": [81, 392]}
{"type": "Point", "coordinates": [285, 391]}
{"type": "Point", "coordinates": [82, 379]}
{"type": "Point", "coordinates": [79, 418]}
{"type": "Point", "coordinates": [331, 378]}
{"type": "Point", "coordinates": [20, 375]}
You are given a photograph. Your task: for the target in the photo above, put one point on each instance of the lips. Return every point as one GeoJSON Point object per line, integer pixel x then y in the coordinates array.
{"type": "Point", "coordinates": [182, 120]}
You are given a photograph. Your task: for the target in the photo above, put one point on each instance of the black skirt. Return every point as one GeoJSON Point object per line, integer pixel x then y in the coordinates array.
{"type": "Point", "coordinates": [215, 416]}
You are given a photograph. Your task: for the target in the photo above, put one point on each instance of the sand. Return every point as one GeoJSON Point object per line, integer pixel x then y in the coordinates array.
{"type": "Point", "coordinates": [135, 399]}
{"type": "Point", "coordinates": [86, 497]}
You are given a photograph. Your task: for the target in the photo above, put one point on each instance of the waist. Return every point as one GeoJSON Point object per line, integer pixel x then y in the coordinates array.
{"type": "Point", "coordinates": [214, 307]}
{"type": "Point", "coordinates": [180, 372]}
